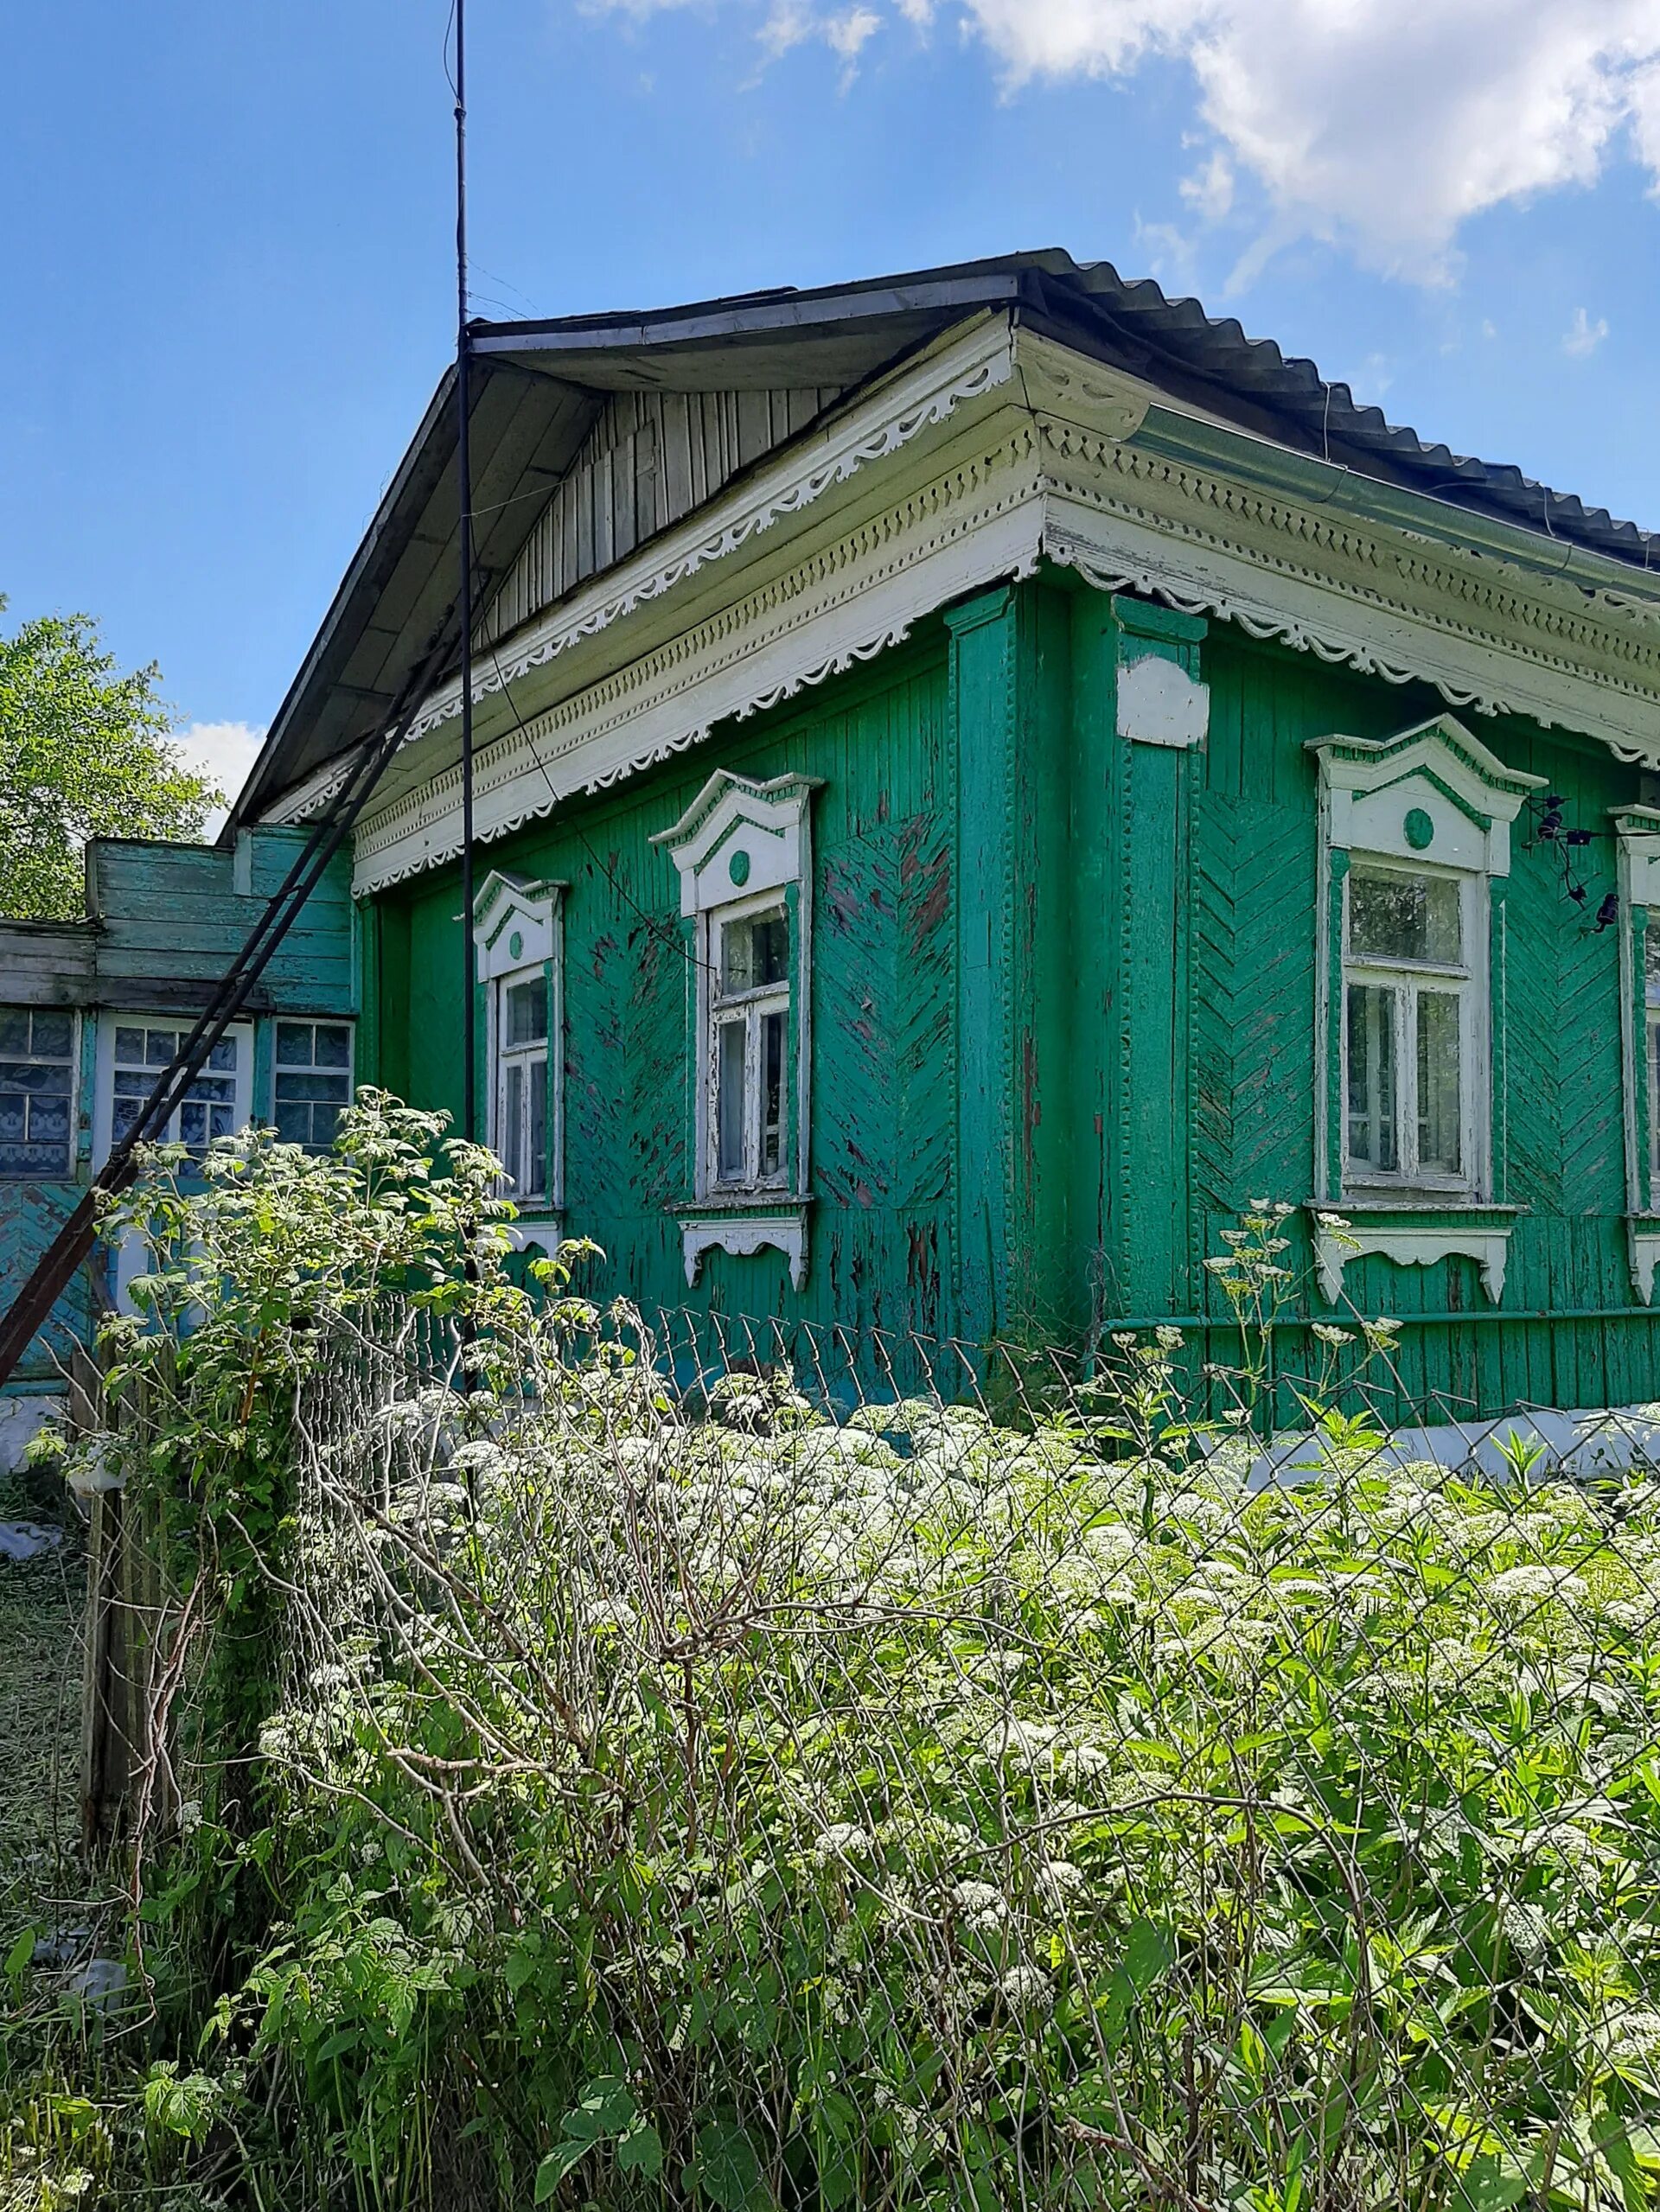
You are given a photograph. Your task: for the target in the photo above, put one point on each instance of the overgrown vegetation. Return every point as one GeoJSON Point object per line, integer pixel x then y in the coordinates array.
{"type": "Point", "coordinates": [591, 1793]}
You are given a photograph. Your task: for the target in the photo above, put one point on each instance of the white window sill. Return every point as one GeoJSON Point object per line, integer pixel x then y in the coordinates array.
{"type": "Point", "coordinates": [1415, 1230]}
{"type": "Point", "coordinates": [745, 1222]}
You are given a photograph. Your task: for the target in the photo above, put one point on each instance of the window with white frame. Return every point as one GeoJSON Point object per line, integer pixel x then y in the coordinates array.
{"type": "Point", "coordinates": [1414, 862]}
{"type": "Point", "coordinates": [1651, 1049]}
{"type": "Point", "coordinates": [1409, 1027]}
{"type": "Point", "coordinates": [744, 850]}
{"type": "Point", "coordinates": [521, 1026]}
{"type": "Point", "coordinates": [214, 1103]}
{"type": "Point", "coordinates": [311, 1081]}
{"type": "Point", "coordinates": [748, 1111]}
{"type": "Point", "coordinates": [37, 1089]}
{"type": "Point", "coordinates": [518, 930]}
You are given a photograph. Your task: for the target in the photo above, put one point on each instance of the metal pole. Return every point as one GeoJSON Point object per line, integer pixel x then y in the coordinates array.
{"type": "Point", "coordinates": [464, 600]}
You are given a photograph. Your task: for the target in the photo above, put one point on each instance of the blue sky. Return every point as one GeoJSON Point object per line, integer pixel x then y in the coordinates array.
{"type": "Point", "coordinates": [230, 230]}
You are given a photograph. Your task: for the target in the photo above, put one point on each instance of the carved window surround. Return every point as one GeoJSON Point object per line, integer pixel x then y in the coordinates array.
{"type": "Point", "coordinates": [1414, 1236]}
{"type": "Point", "coordinates": [1431, 801]}
{"type": "Point", "coordinates": [519, 936]}
{"type": "Point", "coordinates": [744, 850]}
{"type": "Point", "coordinates": [1637, 831]}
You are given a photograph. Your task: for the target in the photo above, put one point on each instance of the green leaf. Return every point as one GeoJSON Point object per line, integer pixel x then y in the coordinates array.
{"type": "Point", "coordinates": [641, 2151]}
{"type": "Point", "coordinates": [563, 2159]}
{"type": "Point", "coordinates": [605, 2108]}
{"type": "Point", "coordinates": [726, 2166]}
{"type": "Point", "coordinates": [21, 1951]}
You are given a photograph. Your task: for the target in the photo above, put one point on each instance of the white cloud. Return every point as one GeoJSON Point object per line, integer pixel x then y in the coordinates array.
{"type": "Point", "coordinates": [1583, 336]}
{"type": "Point", "coordinates": [1381, 124]}
{"type": "Point", "coordinates": [224, 752]}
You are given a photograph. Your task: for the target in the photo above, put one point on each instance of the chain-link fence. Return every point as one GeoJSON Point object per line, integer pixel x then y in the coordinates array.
{"type": "Point", "coordinates": [825, 1772]}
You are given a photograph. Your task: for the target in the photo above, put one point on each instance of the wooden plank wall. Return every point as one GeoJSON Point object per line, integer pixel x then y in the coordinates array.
{"type": "Point", "coordinates": [650, 459]}
{"type": "Point", "coordinates": [883, 1007]}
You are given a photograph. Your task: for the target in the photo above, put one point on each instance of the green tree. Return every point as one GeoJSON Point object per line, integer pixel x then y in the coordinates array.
{"type": "Point", "coordinates": [84, 752]}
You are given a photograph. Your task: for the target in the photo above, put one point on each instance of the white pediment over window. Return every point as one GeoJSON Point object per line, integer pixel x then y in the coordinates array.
{"type": "Point", "coordinates": [1433, 794]}
{"type": "Point", "coordinates": [516, 924]}
{"type": "Point", "coordinates": [739, 837]}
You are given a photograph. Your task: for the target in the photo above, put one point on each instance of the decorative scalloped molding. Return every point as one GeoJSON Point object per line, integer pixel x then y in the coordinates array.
{"type": "Point", "coordinates": [1491, 636]}
{"type": "Point", "coordinates": [1410, 1246]}
{"type": "Point", "coordinates": [744, 1234]}
{"type": "Point", "coordinates": [847, 604]}
{"type": "Point", "coordinates": [919, 399]}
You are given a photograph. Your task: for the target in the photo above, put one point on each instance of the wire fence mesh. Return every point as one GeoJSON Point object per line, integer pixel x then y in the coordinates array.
{"type": "Point", "coordinates": [880, 1773]}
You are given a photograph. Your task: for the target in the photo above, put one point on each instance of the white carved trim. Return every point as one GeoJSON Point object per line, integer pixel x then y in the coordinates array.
{"type": "Point", "coordinates": [546, 1231]}
{"type": "Point", "coordinates": [1411, 1247]}
{"type": "Point", "coordinates": [1490, 634]}
{"type": "Point", "coordinates": [734, 820]}
{"type": "Point", "coordinates": [1371, 787]}
{"type": "Point", "coordinates": [845, 605]}
{"type": "Point", "coordinates": [921, 396]}
{"type": "Point", "coordinates": [507, 907]}
{"type": "Point", "coordinates": [1159, 703]}
{"type": "Point", "coordinates": [744, 1234]}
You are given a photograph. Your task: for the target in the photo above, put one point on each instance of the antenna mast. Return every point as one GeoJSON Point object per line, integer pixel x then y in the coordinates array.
{"type": "Point", "coordinates": [464, 598]}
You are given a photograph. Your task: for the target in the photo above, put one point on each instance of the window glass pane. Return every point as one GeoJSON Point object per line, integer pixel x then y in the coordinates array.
{"type": "Point", "coordinates": [536, 1163]}
{"type": "Point", "coordinates": [52, 1035]}
{"type": "Point", "coordinates": [1370, 1077]}
{"type": "Point", "coordinates": [772, 1094]}
{"type": "Point", "coordinates": [334, 1045]}
{"type": "Point", "coordinates": [1440, 1149]}
{"type": "Point", "coordinates": [730, 1101]}
{"type": "Point", "coordinates": [1396, 917]}
{"type": "Point", "coordinates": [293, 1120]}
{"type": "Point", "coordinates": [130, 1047]}
{"type": "Point", "coordinates": [1654, 1092]}
{"type": "Point", "coordinates": [755, 953]}
{"type": "Point", "coordinates": [513, 1119]}
{"type": "Point", "coordinates": [223, 1054]}
{"type": "Point", "coordinates": [526, 1012]}
{"type": "Point", "coordinates": [160, 1045]}
{"type": "Point", "coordinates": [293, 1044]}
{"type": "Point", "coordinates": [14, 1029]}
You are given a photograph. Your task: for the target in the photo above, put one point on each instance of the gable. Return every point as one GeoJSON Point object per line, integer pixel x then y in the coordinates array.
{"type": "Point", "coordinates": [649, 461]}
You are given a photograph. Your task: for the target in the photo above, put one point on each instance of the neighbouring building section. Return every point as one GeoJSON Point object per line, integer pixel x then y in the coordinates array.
{"type": "Point", "coordinates": [983, 775]}
{"type": "Point", "coordinates": [90, 1014]}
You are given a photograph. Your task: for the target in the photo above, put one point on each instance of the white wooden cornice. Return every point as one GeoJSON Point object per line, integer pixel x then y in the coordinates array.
{"type": "Point", "coordinates": [1033, 456]}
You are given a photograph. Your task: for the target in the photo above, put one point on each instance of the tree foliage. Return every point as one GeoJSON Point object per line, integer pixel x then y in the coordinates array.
{"type": "Point", "coordinates": [84, 752]}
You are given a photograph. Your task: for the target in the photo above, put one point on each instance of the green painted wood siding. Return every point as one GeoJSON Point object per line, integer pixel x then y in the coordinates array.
{"type": "Point", "coordinates": [883, 977]}
{"type": "Point", "coordinates": [1064, 1006]}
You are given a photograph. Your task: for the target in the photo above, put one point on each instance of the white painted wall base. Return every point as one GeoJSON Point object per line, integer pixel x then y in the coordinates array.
{"type": "Point", "coordinates": [1585, 1443]}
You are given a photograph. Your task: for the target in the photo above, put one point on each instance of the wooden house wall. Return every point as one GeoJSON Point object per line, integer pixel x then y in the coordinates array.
{"type": "Point", "coordinates": [1063, 1010]}
{"type": "Point", "coordinates": [651, 458]}
{"type": "Point", "coordinates": [882, 974]}
{"type": "Point", "coordinates": [171, 918]}
{"type": "Point", "coordinates": [165, 922]}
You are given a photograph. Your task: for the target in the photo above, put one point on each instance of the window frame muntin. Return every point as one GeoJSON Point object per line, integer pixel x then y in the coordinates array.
{"type": "Point", "coordinates": [278, 1068]}
{"type": "Point", "coordinates": [719, 1009]}
{"type": "Point", "coordinates": [501, 1056]}
{"type": "Point", "coordinates": [74, 1015]}
{"type": "Point", "coordinates": [1405, 978]}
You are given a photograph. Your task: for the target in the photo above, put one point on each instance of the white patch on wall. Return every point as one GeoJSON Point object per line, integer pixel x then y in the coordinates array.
{"type": "Point", "coordinates": [1159, 703]}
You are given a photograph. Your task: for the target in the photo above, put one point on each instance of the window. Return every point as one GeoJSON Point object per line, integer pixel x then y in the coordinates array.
{"type": "Point", "coordinates": [313, 1082]}
{"type": "Point", "coordinates": [1651, 1051]}
{"type": "Point", "coordinates": [517, 928]}
{"type": "Point", "coordinates": [744, 852]}
{"type": "Point", "coordinates": [522, 1028]}
{"type": "Point", "coordinates": [38, 1083]}
{"type": "Point", "coordinates": [210, 1107]}
{"type": "Point", "coordinates": [1409, 1029]}
{"type": "Point", "coordinates": [749, 1034]}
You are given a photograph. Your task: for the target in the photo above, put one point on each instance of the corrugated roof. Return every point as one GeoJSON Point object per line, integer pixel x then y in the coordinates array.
{"type": "Point", "coordinates": [540, 383]}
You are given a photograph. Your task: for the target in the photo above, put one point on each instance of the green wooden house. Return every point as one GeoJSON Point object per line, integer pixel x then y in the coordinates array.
{"type": "Point", "coordinates": [982, 775]}
{"type": "Point", "coordinates": [90, 1013]}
